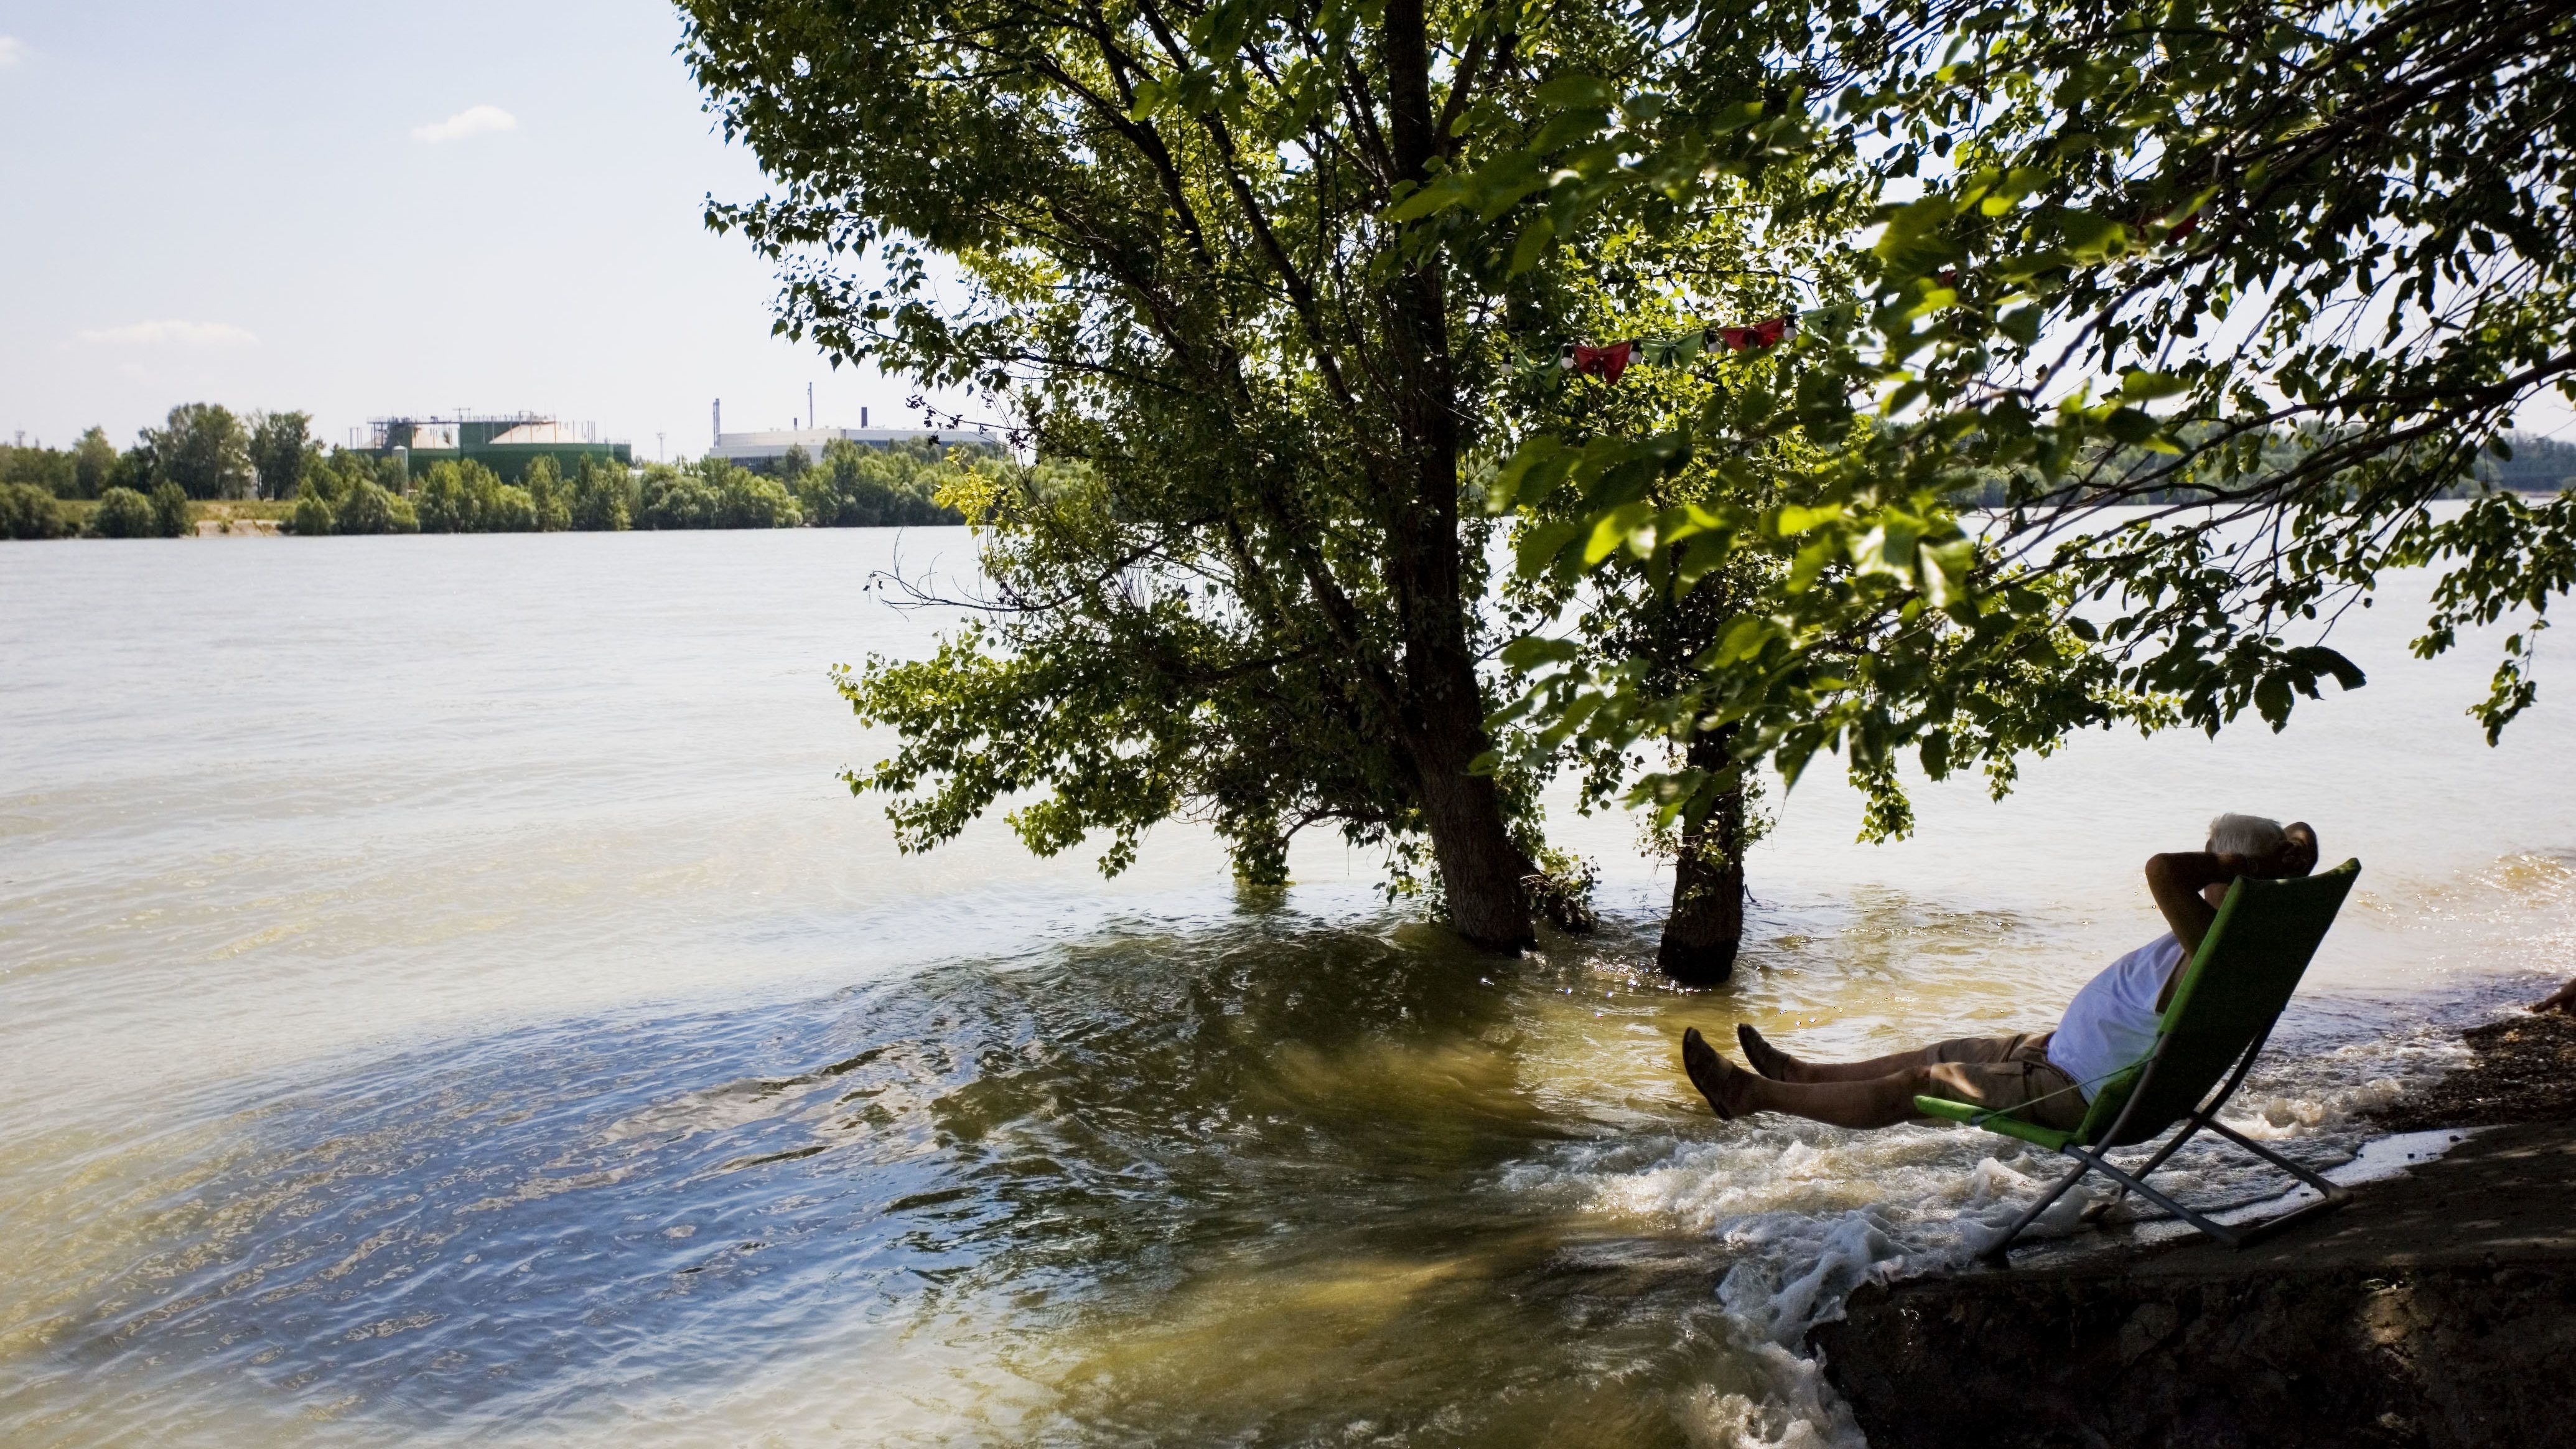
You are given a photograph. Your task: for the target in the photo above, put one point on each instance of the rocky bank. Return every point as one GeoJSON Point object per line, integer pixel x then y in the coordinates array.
{"type": "Point", "coordinates": [2438, 1309]}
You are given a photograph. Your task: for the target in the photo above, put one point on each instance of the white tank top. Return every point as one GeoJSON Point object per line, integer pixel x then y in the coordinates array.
{"type": "Point", "coordinates": [2112, 1021]}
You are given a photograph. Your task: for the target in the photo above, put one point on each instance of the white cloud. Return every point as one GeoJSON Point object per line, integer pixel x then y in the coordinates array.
{"type": "Point", "coordinates": [171, 334]}
{"type": "Point", "coordinates": [472, 121]}
{"type": "Point", "coordinates": [12, 50]}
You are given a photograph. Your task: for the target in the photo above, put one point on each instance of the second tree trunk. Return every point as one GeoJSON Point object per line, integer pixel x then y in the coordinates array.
{"type": "Point", "coordinates": [1706, 926]}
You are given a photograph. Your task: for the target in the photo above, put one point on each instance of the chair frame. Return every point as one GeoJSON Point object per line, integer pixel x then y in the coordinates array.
{"type": "Point", "coordinates": [2097, 1159]}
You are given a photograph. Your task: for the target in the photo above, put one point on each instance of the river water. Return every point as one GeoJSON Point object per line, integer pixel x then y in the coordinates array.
{"type": "Point", "coordinates": [445, 995]}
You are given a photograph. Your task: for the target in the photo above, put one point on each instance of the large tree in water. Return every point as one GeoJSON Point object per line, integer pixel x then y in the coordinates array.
{"type": "Point", "coordinates": [1198, 251]}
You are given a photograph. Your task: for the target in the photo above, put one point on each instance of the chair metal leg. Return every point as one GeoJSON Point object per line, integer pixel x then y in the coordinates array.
{"type": "Point", "coordinates": [2191, 1125]}
{"type": "Point", "coordinates": [2230, 1236]}
{"type": "Point", "coordinates": [2331, 1195]}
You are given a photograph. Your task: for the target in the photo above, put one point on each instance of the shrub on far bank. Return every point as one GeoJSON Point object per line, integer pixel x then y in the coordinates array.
{"type": "Point", "coordinates": [362, 508]}
{"type": "Point", "coordinates": [470, 498]}
{"type": "Point", "coordinates": [27, 511]}
{"type": "Point", "coordinates": [549, 497]}
{"type": "Point", "coordinates": [124, 513]}
{"type": "Point", "coordinates": [370, 509]}
{"type": "Point", "coordinates": [714, 494]}
{"type": "Point", "coordinates": [599, 502]}
{"type": "Point", "coordinates": [509, 509]}
{"type": "Point", "coordinates": [313, 517]}
{"type": "Point", "coordinates": [170, 516]}
{"type": "Point", "coordinates": [861, 487]}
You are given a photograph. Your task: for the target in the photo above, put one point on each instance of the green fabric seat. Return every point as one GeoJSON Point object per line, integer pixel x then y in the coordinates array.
{"type": "Point", "coordinates": [2232, 990]}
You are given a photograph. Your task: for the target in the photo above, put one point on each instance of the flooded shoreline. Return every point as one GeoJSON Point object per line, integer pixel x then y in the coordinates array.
{"type": "Point", "coordinates": [522, 1037]}
{"type": "Point", "coordinates": [1292, 1182]}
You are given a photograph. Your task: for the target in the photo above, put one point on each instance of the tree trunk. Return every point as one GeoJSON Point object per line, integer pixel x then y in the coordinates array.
{"type": "Point", "coordinates": [1444, 705]}
{"type": "Point", "coordinates": [1444, 714]}
{"type": "Point", "coordinates": [1480, 871]}
{"type": "Point", "coordinates": [1706, 925]}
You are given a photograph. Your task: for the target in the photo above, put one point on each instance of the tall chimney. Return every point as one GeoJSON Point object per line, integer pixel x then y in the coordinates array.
{"type": "Point", "coordinates": [863, 417]}
{"type": "Point", "coordinates": [719, 442]}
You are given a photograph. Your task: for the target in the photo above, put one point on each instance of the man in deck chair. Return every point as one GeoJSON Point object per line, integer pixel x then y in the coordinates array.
{"type": "Point", "coordinates": [2047, 1078]}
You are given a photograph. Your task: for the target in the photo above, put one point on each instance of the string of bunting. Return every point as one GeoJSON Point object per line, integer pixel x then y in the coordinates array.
{"type": "Point", "coordinates": [1610, 360]}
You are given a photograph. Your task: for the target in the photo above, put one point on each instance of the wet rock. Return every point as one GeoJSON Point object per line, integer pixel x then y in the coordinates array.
{"type": "Point", "coordinates": [2525, 1072]}
{"type": "Point", "coordinates": [2439, 1309]}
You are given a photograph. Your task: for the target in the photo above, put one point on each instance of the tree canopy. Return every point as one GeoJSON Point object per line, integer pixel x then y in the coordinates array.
{"type": "Point", "coordinates": [2210, 302]}
{"type": "Point", "coordinates": [202, 450]}
{"type": "Point", "coordinates": [278, 447]}
{"type": "Point", "coordinates": [1182, 270]}
{"type": "Point", "coordinates": [2214, 301]}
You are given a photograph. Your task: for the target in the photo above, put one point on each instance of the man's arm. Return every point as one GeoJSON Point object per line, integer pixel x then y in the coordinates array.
{"type": "Point", "coordinates": [2563, 999]}
{"type": "Point", "coordinates": [2176, 880]}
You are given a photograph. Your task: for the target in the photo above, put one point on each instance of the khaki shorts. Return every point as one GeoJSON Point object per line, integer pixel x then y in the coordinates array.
{"type": "Point", "coordinates": [2004, 1073]}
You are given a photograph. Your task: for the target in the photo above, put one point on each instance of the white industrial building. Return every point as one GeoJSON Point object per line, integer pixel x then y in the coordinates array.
{"type": "Point", "coordinates": [761, 451]}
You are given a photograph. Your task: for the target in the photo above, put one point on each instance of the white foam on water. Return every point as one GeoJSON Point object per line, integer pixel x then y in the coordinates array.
{"type": "Point", "coordinates": [1801, 1411]}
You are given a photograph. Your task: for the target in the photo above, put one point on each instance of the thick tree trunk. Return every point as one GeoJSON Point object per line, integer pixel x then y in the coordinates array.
{"type": "Point", "coordinates": [1444, 711]}
{"type": "Point", "coordinates": [1480, 871]}
{"type": "Point", "coordinates": [1444, 706]}
{"type": "Point", "coordinates": [1706, 926]}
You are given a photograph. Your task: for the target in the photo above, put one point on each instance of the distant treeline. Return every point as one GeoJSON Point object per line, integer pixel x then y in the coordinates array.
{"type": "Point", "coordinates": [2538, 465]}
{"type": "Point", "coordinates": [205, 452]}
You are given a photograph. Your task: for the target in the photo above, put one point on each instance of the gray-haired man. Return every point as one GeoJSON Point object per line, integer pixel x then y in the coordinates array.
{"type": "Point", "coordinates": [2048, 1077]}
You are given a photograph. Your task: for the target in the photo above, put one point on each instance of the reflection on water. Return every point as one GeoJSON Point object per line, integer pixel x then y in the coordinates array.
{"type": "Point", "coordinates": [1224, 1181]}
{"type": "Point", "coordinates": [523, 1041]}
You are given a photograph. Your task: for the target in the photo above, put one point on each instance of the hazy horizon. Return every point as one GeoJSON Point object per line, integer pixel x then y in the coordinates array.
{"type": "Point", "coordinates": [363, 211]}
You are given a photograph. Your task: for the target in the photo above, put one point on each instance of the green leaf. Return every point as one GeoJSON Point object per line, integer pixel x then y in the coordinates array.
{"type": "Point", "coordinates": [1530, 475]}
{"type": "Point", "coordinates": [1574, 90]}
{"type": "Point", "coordinates": [1532, 246]}
{"type": "Point", "coordinates": [1796, 519]}
{"type": "Point", "coordinates": [1614, 530]}
{"type": "Point", "coordinates": [2139, 387]}
{"type": "Point", "coordinates": [1436, 195]}
{"type": "Point", "coordinates": [1530, 651]}
{"type": "Point", "coordinates": [2090, 237]}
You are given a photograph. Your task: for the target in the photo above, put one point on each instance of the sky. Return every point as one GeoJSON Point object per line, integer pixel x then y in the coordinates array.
{"type": "Point", "coordinates": [392, 208]}
{"type": "Point", "coordinates": [378, 209]}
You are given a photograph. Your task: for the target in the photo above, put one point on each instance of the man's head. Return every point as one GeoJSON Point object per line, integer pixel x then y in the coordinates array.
{"type": "Point", "coordinates": [2251, 836]}
{"type": "Point", "coordinates": [2264, 847]}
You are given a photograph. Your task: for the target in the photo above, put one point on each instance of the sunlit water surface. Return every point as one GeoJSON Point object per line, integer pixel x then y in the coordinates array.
{"type": "Point", "coordinates": [446, 995]}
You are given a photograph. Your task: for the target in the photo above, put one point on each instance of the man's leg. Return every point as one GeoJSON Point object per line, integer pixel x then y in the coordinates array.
{"type": "Point", "coordinates": [1779, 1066]}
{"type": "Point", "coordinates": [1880, 1101]}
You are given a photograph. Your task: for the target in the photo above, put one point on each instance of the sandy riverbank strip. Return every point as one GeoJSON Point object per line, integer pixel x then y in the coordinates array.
{"type": "Point", "coordinates": [2438, 1309]}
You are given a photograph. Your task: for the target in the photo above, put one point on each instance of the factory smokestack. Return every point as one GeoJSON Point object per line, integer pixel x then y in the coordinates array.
{"type": "Point", "coordinates": [719, 441]}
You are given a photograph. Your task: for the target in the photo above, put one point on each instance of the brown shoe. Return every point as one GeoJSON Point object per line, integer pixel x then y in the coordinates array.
{"type": "Point", "coordinates": [1761, 1055]}
{"type": "Point", "coordinates": [1707, 1071]}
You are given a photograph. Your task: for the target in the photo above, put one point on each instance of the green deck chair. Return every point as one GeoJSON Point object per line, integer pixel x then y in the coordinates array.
{"type": "Point", "coordinates": [2232, 991]}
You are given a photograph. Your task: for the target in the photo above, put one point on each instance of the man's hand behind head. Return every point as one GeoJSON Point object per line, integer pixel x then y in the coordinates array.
{"type": "Point", "coordinates": [2298, 855]}
{"type": "Point", "coordinates": [2295, 856]}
